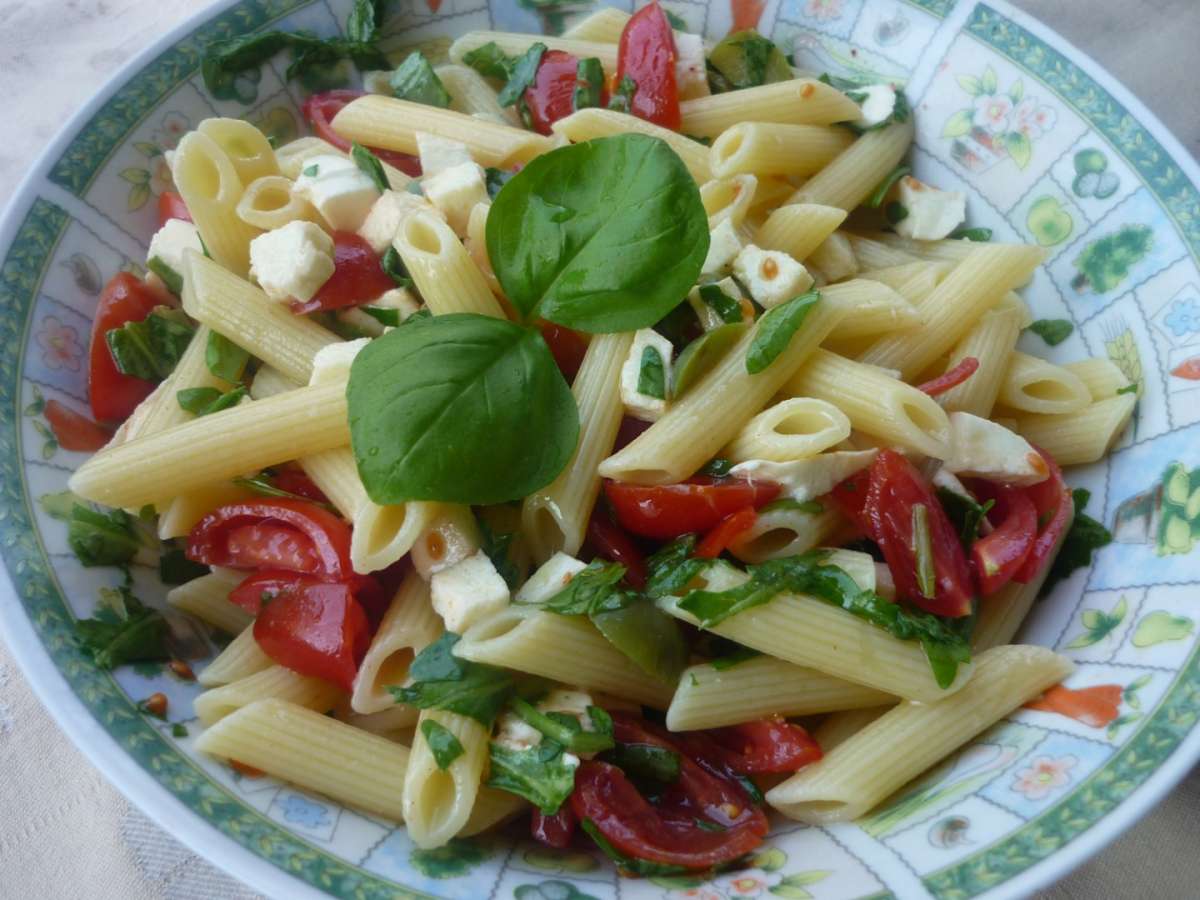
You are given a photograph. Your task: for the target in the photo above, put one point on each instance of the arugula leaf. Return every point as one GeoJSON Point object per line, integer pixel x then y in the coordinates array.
{"type": "Point", "coordinates": [441, 680]}
{"type": "Point", "coordinates": [522, 75]}
{"type": "Point", "coordinates": [102, 539]}
{"type": "Point", "coordinates": [726, 307]}
{"type": "Point", "coordinates": [127, 632]}
{"type": "Point", "coordinates": [416, 81]}
{"type": "Point", "coordinates": [646, 761]}
{"type": "Point", "coordinates": [621, 99]}
{"type": "Point", "coordinates": [224, 358]}
{"type": "Point", "coordinates": [473, 383]}
{"type": "Point", "coordinates": [628, 863]}
{"type": "Point", "coordinates": [652, 379]}
{"type": "Point", "coordinates": [589, 84]}
{"type": "Point", "coordinates": [776, 329]}
{"type": "Point", "coordinates": [1085, 536]}
{"type": "Point", "coordinates": [496, 547]}
{"type": "Point", "coordinates": [812, 507]}
{"type": "Point", "coordinates": [206, 400]}
{"type": "Point", "coordinates": [368, 163]}
{"type": "Point", "coordinates": [393, 265]}
{"type": "Point", "coordinates": [966, 513]}
{"type": "Point", "coordinates": [558, 225]}
{"type": "Point", "coordinates": [1052, 331]}
{"type": "Point", "coordinates": [980, 235]}
{"type": "Point", "coordinates": [540, 774]}
{"type": "Point", "coordinates": [901, 110]}
{"type": "Point", "coordinates": [175, 568]}
{"type": "Point", "coordinates": [444, 746]}
{"type": "Point", "coordinates": [495, 179]}
{"type": "Point", "coordinates": [672, 568]}
{"type": "Point", "coordinates": [881, 191]}
{"type": "Point", "coordinates": [172, 279]}
{"type": "Point", "coordinates": [490, 61]}
{"type": "Point", "coordinates": [592, 590]}
{"type": "Point", "coordinates": [151, 348]}
{"type": "Point", "coordinates": [565, 729]}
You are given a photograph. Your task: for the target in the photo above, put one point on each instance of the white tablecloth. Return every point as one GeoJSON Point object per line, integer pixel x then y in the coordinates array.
{"type": "Point", "coordinates": [65, 832]}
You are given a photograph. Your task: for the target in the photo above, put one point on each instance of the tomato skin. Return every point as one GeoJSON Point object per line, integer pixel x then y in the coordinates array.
{"type": "Point", "coordinates": [609, 541]}
{"type": "Point", "coordinates": [276, 533]}
{"type": "Point", "coordinates": [568, 348]}
{"type": "Point", "coordinates": [357, 277]}
{"type": "Point", "coordinates": [292, 478]}
{"type": "Point", "coordinates": [258, 588]}
{"type": "Point", "coordinates": [647, 55]}
{"type": "Point", "coordinates": [315, 628]}
{"type": "Point", "coordinates": [666, 511]}
{"type": "Point", "coordinates": [550, 97]}
{"type": "Point", "coordinates": [631, 429]}
{"type": "Point", "coordinates": [320, 109]}
{"type": "Point", "coordinates": [951, 377]}
{"type": "Point", "coordinates": [556, 830]}
{"type": "Point", "coordinates": [171, 206]}
{"type": "Point", "coordinates": [1054, 504]}
{"type": "Point", "coordinates": [765, 747]}
{"type": "Point", "coordinates": [113, 395]}
{"type": "Point", "coordinates": [726, 533]}
{"type": "Point", "coordinates": [997, 557]}
{"type": "Point", "coordinates": [73, 431]}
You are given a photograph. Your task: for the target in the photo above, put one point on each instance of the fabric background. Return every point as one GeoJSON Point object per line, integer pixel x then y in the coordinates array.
{"type": "Point", "coordinates": [65, 831]}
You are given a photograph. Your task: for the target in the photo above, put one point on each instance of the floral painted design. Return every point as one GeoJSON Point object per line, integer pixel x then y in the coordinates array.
{"type": "Point", "coordinates": [950, 832]}
{"type": "Point", "coordinates": [1122, 349]}
{"type": "Point", "coordinates": [279, 125]}
{"type": "Point", "coordinates": [1184, 317]}
{"type": "Point", "coordinates": [1044, 775]}
{"type": "Point", "coordinates": [1159, 627]}
{"type": "Point", "coordinates": [62, 347]}
{"type": "Point", "coordinates": [453, 860]}
{"type": "Point", "coordinates": [1098, 625]}
{"type": "Point", "coordinates": [1092, 178]}
{"type": "Point", "coordinates": [823, 10]}
{"type": "Point", "coordinates": [154, 177]}
{"type": "Point", "coordinates": [303, 811]}
{"type": "Point", "coordinates": [996, 124]}
{"type": "Point", "coordinates": [792, 886]}
{"type": "Point", "coordinates": [33, 411]}
{"type": "Point", "coordinates": [558, 860]}
{"type": "Point", "coordinates": [1105, 263]}
{"type": "Point", "coordinates": [550, 890]}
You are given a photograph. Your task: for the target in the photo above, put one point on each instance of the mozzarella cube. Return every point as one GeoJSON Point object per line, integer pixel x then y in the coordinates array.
{"type": "Point", "coordinates": [377, 81]}
{"type": "Point", "coordinates": [932, 214]}
{"type": "Point", "coordinates": [708, 316]}
{"type": "Point", "coordinates": [771, 276]}
{"type": "Point", "coordinates": [341, 192]}
{"type": "Point", "coordinates": [169, 243]}
{"type": "Point", "coordinates": [877, 105]}
{"type": "Point", "coordinates": [569, 702]}
{"type": "Point", "coordinates": [332, 362]}
{"type": "Point", "coordinates": [468, 591]}
{"type": "Point", "coordinates": [550, 578]}
{"type": "Point", "coordinates": [691, 72]}
{"type": "Point", "coordinates": [721, 575]}
{"type": "Point", "coordinates": [644, 406]}
{"type": "Point", "coordinates": [455, 191]}
{"type": "Point", "coordinates": [807, 479]}
{"type": "Point", "coordinates": [980, 448]}
{"type": "Point", "coordinates": [292, 262]}
{"type": "Point", "coordinates": [439, 154]}
{"type": "Point", "coordinates": [387, 214]}
{"type": "Point", "coordinates": [724, 244]}
{"type": "Point", "coordinates": [398, 298]}
{"type": "Point", "coordinates": [514, 733]}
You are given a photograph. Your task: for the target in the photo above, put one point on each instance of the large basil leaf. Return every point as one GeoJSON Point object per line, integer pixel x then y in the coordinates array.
{"type": "Point", "coordinates": [459, 408]}
{"type": "Point", "coordinates": [607, 235]}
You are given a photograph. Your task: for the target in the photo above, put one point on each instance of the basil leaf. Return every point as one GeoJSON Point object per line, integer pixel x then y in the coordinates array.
{"type": "Point", "coordinates": [981, 235]}
{"type": "Point", "coordinates": [522, 76]}
{"type": "Point", "coordinates": [127, 632]}
{"type": "Point", "coordinates": [224, 358]}
{"type": "Point", "coordinates": [1128, 389]}
{"type": "Point", "coordinates": [589, 84]}
{"type": "Point", "coordinates": [1085, 536]}
{"type": "Point", "coordinates": [608, 235]}
{"type": "Point", "coordinates": [384, 315]}
{"type": "Point", "coordinates": [652, 379]}
{"type": "Point", "coordinates": [365, 20]}
{"type": "Point", "coordinates": [593, 590]}
{"type": "Point", "coordinates": [368, 163]}
{"type": "Point", "coordinates": [646, 761]}
{"type": "Point", "coordinates": [646, 635]}
{"type": "Point", "coordinates": [496, 547]}
{"type": "Point", "coordinates": [673, 568]}
{"type": "Point", "coordinates": [625, 863]}
{"type": "Point", "coordinates": [621, 99]}
{"type": "Point", "coordinates": [444, 746]}
{"type": "Point", "coordinates": [1052, 331]}
{"type": "Point", "coordinates": [495, 179]}
{"type": "Point", "coordinates": [224, 62]}
{"type": "Point", "coordinates": [539, 774]}
{"type": "Point", "coordinates": [206, 400]}
{"type": "Point", "coordinates": [393, 266]}
{"type": "Point", "coordinates": [445, 408]}
{"type": "Point", "coordinates": [416, 81]}
{"type": "Point", "coordinates": [747, 59]}
{"type": "Point", "coordinates": [490, 61]}
{"type": "Point", "coordinates": [172, 279]}
{"type": "Point", "coordinates": [564, 729]}
{"type": "Point", "coordinates": [150, 349]}
{"type": "Point", "coordinates": [102, 539]}
{"type": "Point", "coordinates": [442, 681]}
{"type": "Point", "coordinates": [175, 568]}
{"type": "Point", "coordinates": [966, 513]}
{"type": "Point", "coordinates": [699, 357]}
{"type": "Point", "coordinates": [726, 307]}
{"type": "Point", "coordinates": [776, 329]}
{"type": "Point", "coordinates": [881, 191]}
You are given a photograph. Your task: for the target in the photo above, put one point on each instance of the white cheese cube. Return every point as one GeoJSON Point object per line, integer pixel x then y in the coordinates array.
{"type": "Point", "coordinates": [932, 214]}
{"type": "Point", "coordinates": [455, 191]}
{"type": "Point", "coordinates": [709, 318]}
{"type": "Point", "coordinates": [807, 479]}
{"type": "Point", "coordinates": [332, 362]}
{"type": "Point", "coordinates": [514, 733]}
{"type": "Point", "coordinates": [571, 703]}
{"type": "Point", "coordinates": [877, 105]}
{"type": "Point", "coordinates": [377, 81]}
{"type": "Point", "coordinates": [341, 192]}
{"type": "Point", "coordinates": [387, 214]}
{"type": "Point", "coordinates": [398, 298]}
{"type": "Point", "coordinates": [724, 244]}
{"type": "Point", "coordinates": [292, 262]}
{"type": "Point", "coordinates": [721, 575]}
{"type": "Point", "coordinates": [691, 73]}
{"type": "Point", "coordinates": [550, 578]}
{"type": "Point", "coordinates": [439, 154]}
{"type": "Point", "coordinates": [771, 276]}
{"type": "Point", "coordinates": [468, 591]}
{"type": "Point", "coordinates": [170, 241]}
{"type": "Point", "coordinates": [981, 448]}
{"type": "Point", "coordinates": [643, 406]}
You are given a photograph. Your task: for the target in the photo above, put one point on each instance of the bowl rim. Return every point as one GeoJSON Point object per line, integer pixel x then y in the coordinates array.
{"type": "Point", "coordinates": [170, 813]}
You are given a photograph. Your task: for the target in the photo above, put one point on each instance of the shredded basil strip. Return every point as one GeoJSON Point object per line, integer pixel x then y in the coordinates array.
{"type": "Point", "coordinates": [589, 84]}
{"type": "Point", "coordinates": [150, 349]}
{"type": "Point", "coordinates": [652, 378]}
{"type": "Point", "coordinates": [172, 279]}
{"type": "Point", "coordinates": [621, 99]}
{"type": "Point", "coordinates": [523, 75]}
{"type": "Point", "coordinates": [368, 163]}
{"type": "Point", "coordinates": [980, 235]}
{"type": "Point", "coordinates": [776, 329]}
{"type": "Point", "coordinates": [490, 61]}
{"type": "Point", "coordinates": [393, 265]}
{"type": "Point", "coordinates": [728, 310]}
{"type": "Point", "coordinates": [416, 81]}
{"type": "Point", "coordinates": [923, 551]}
{"type": "Point", "coordinates": [442, 743]}
{"type": "Point", "coordinates": [224, 358]}
{"type": "Point", "coordinates": [204, 401]}
{"type": "Point", "coordinates": [881, 191]}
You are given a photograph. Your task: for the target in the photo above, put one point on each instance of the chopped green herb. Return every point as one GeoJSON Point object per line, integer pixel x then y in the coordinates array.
{"type": "Point", "coordinates": [495, 179]}
{"type": "Point", "coordinates": [1085, 537]}
{"type": "Point", "coordinates": [812, 507]}
{"type": "Point", "coordinates": [923, 551]}
{"type": "Point", "coordinates": [498, 548]}
{"type": "Point", "coordinates": [442, 743]}
{"type": "Point", "coordinates": [652, 379]}
{"type": "Point", "coordinates": [979, 235]}
{"type": "Point", "coordinates": [368, 163]}
{"type": "Point", "coordinates": [540, 774]}
{"type": "Point", "coordinates": [151, 348]}
{"type": "Point", "coordinates": [124, 632]}
{"type": "Point", "coordinates": [727, 308]}
{"type": "Point", "coordinates": [621, 99]}
{"type": "Point", "coordinates": [589, 84]}
{"type": "Point", "coordinates": [204, 401]}
{"type": "Point", "coordinates": [1128, 389]}
{"type": "Point", "coordinates": [416, 82]}
{"type": "Point", "coordinates": [747, 59]}
{"type": "Point", "coordinates": [966, 513]}
{"type": "Point", "coordinates": [706, 825]}
{"type": "Point", "coordinates": [895, 212]}
{"type": "Point", "coordinates": [593, 590]}
{"type": "Point", "coordinates": [172, 279]}
{"type": "Point", "coordinates": [58, 505]}
{"type": "Point", "coordinates": [179, 730]}
{"type": "Point", "coordinates": [646, 761]}
{"type": "Point", "coordinates": [262, 485]}
{"type": "Point", "coordinates": [565, 729]}
{"type": "Point", "coordinates": [387, 316]}
{"type": "Point", "coordinates": [224, 358]}
{"type": "Point", "coordinates": [393, 265]}
{"type": "Point", "coordinates": [775, 331]}
{"type": "Point", "coordinates": [441, 680]}
{"type": "Point", "coordinates": [490, 61]}
{"type": "Point", "coordinates": [881, 191]}
{"type": "Point", "coordinates": [522, 75]}
{"type": "Point", "coordinates": [175, 568]}
{"type": "Point", "coordinates": [102, 539]}
{"type": "Point", "coordinates": [676, 21]}
{"type": "Point", "coordinates": [310, 171]}
{"type": "Point", "coordinates": [717, 467]}
{"type": "Point", "coordinates": [1052, 331]}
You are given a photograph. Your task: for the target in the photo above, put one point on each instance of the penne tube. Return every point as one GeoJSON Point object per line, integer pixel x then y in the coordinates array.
{"type": "Point", "coordinates": [790, 429]}
{"type": "Point", "coordinates": [441, 267]}
{"type": "Point", "coordinates": [1077, 438]}
{"type": "Point", "coordinates": [991, 340]}
{"type": "Point", "coordinates": [276, 682]}
{"type": "Point", "coordinates": [768, 148]}
{"type": "Point", "coordinates": [851, 177]}
{"type": "Point", "coordinates": [437, 802]}
{"type": "Point", "coordinates": [799, 228]}
{"type": "Point", "coordinates": [801, 101]}
{"type": "Point", "coordinates": [211, 188]}
{"type": "Point", "coordinates": [269, 202]}
{"type": "Point", "coordinates": [604, 26]}
{"type": "Point", "coordinates": [294, 156]}
{"type": "Point", "coordinates": [1033, 385]}
{"type": "Point", "coordinates": [241, 659]}
{"type": "Point", "coordinates": [408, 627]}
{"type": "Point", "coordinates": [245, 146]}
{"type": "Point", "coordinates": [782, 531]}
{"type": "Point", "coordinates": [593, 122]}
{"type": "Point", "coordinates": [471, 95]}
{"type": "Point", "coordinates": [183, 511]}
{"type": "Point", "coordinates": [1101, 376]}
{"type": "Point", "coordinates": [728, 198]}
{"type": "Point", "coordinates": [207, 598]}
{"type": "Point", "coordinates": [389, 723]}
{"type": "Point", "coordinates": [834, 259]}
{"type": "Point", "coordinates": [492, 807]}
{"type": "Point", "coordinates": [950, 250]}
{"type": "Point", "coordinates": [516, 44]}
{"type": "Point", "coordinates": [872, 254]}
{"type": "Point", "coordinates": [872, 307]}
{"type": "Point", "coordinates": [841, 726]}
{"type": "Point", "coordinates": [913, 281]}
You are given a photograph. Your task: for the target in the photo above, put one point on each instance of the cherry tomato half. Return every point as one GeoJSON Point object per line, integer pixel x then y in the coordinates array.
{"type": "Point", "coordinates": [769, 746]}
{"type": "Point", "coordinates": [171, 206]}
{"type": "Point", "coordinates": [294, 480]}
{"type": "Point", "coordinates": [113, 395]}
{"type": "Point", "coordinates": [647, 55]}
{"type": "Point", "coordinates": [294, 535]}
{"type": "Point", "coordinates": [998, 556]}
{"type": "Point", "coordinates": [568, 348]}
{"type": "Point", "coordinates": [357, 277]}
{"type": "Point", "coordinates": [1055, 508]}
{"type": "Point", "coordinates": [726, 533]}
{"type": "Point", "coordinates": [610, 542]}
{"type": "Point", "coordinates": [550, 97]}
{"type": "Point", "coordinates": [556, 830]}
{"type": "Point", "coordinates": [73, 431]}
{"type": "Point", "coordinates": [669, 510]}
{"type": "Point", "coordinates": [320, 109]}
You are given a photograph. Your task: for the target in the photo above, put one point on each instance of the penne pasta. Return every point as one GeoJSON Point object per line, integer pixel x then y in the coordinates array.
{"type": "Point", "coordinates": [275, 682]}
{"type": "Point", "coordinates": [799, 228]}
{"type": "Point", "coordinates": [872, 308]}
{"type": "Point", "coordinates": [442, 269]}
{"type": "Point", "coordinates": [269, 202]}
{"type": "Point", "coordinates": [1033, 385]}
{"type": "Point", "coordinates": [244, 145]}
{"type": "Point", "coordinates": [207, 598]}
{"type": "Point", "coordinates": [590, 123]}
{"type": "Point", "coordinates": [801, 101]}
{"type": "Point", "coordinates": [211, 188]}
{"type": "Point", "coordinates": [472, 95]}
{"type": "Point", "coordinates": [241, 659]}
{"type": "Point", "coordinates": [1077, 438]}
{"type": "Point", "coordinates": [849, 179]}
{"type": "Point", "coordinates": [438, 801]}
{"type": "Point", "coordinates": [991, 341]}
{"type": "Point", "coordinates": [791, 429]}
{"type": "Point", "coordinates": [765, 148]}
{"type": "Point", "coordinates": [408, 626]}
{"type": "Point", "coordinates": [1101, 376]}
{"type": "Point", "coordinates": [786, 531]}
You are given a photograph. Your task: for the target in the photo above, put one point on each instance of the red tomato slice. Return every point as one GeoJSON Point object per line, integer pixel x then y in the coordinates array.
{"type": "Point", "coordinates": [550, 97]}
{"type": "Point", "coordinates": [320, 109]}
{"type": "Point", "coordinates": [73, 431]}
{"type": "Point", "coordinates": [314, 628]}
{"type": "Point", "coordinates": [113, 395]}
{"type": "Point", "coordinates": [667, 832]}
{"type": "Point", "coordinates": [171, 206]}
{"type": "Point", "coordinates": [726, 533]}
{"type": "Point", "coordinates": [610, 542]}
{"type": "Point", "coordinates": [357, 277]}
{"type": "Point", "coordinates": [951, 377]}
{"type": "Point", "coordinates": [647, 55]}
{"type": "Point", "coordinates": [896, 487]}
{"type": "Point", "coordinates": [280, 534]}
{"type": "Point", "coordinates": [292, 478]}
{"type": "Point", "coordinates": [667, 511]}
{"type": "Point", "coordinates": [851, 498]}
{"type": "Point", "coordinates": [260, 588]}
{"type": "Point", "coordinates": [556, 830]}
{"type": "Point", "coordinates": [566, 346]}
{"type": "Point", "coordinates": [998, 556]}
{"type": "Point", "coordinates": [769, 746]}
{"type": "Point", "coordinates": [1055, 507]}
{"type": "Point", "coordinates": [631, 429]}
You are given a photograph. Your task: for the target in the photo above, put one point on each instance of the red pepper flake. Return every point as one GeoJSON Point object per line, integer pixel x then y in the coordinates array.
{"type": "Point", "coordinates": [950, 378]}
